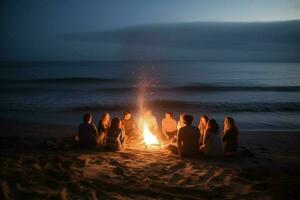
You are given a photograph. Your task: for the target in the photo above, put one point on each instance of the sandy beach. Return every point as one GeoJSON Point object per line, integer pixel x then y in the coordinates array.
{"type": "Point", "coordinates": [31, 170]}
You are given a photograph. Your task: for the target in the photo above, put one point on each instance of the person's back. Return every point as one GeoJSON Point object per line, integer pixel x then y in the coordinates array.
{"type": "Point", "coordinates": [115, 135]}
{"type": "Point", "coordinates": [212, 142]}
{"type": "Point", "coordinates": [188, 140]}
{"type": "Point", "coordinates": [230, 141]}
{"type": "Point", "coordinates": [87, 133]}
{"type": "Point", "coordinates": [230, 138]}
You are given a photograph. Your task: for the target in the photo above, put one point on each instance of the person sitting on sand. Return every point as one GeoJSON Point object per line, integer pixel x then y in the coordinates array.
{"type": "Point", "coordinates": [103, 126]}
{"type": "Point", "coordinates": [202, 125]}
{"type": "Point", "coordinates": [180, 122]}
{"type": "Point", "coordinates": [129, 124]}
{"type": "Point", "coordinates": [87, 132]}
{"type": "Point", "coordinates": [231, 133]}
{"type": "Point", "coordinates": [169, 126]}
{"type": "Point", "coordinates": [212, 141]}
{"type": "Point", "coordinates": [188, 138]}
{"type": "Point", "coordinates": [115, 135]}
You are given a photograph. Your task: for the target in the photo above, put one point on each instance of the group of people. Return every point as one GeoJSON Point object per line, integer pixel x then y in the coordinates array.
{"type": "Point", "coordinates": [186, 140]}
{"type": "Point", "coordinates": [205, 139]}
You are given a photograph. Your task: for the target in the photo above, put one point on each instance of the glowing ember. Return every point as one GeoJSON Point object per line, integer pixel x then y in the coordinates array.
{"type": "Point", "coordinates": [149, 138]}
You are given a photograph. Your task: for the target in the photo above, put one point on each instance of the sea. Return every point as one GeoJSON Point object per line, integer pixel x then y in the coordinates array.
{"type": "Point", "coordinates": [260, 96]}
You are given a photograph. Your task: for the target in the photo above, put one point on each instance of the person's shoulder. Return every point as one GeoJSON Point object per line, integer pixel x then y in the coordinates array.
{"type": "Point", "coordinates": [183, 129]}
{"type": "Point", "coordinates": [92, 125]}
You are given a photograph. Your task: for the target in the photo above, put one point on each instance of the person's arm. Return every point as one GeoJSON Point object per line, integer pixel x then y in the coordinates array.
{"type": "Point", "coordinates": [199, 136]}
{"type": "Point", "coordinates": [205, 138]}
{"type": "Point", "coordinates": [163, 130]}
{"type": "Point", "coordinates": [94, 130]}
{"type": "Point", "coordinates": [179, 142]}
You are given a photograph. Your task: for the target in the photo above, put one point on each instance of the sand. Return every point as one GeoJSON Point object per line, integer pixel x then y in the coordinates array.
{"type": "Point", "coordinates": [30, 170]}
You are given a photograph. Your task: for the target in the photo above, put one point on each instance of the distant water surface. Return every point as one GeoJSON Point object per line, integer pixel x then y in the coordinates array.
{"type": "Point", "coordinates": [263, 96]}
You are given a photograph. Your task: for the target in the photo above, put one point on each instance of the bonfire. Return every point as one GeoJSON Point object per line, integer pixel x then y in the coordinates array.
{"type": "Point", "coordinates": [150, 140]}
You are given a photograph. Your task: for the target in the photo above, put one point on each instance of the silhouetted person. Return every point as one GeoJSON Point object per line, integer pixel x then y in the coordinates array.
{"type": "Point", "coordinates": [115, 135]}
{"type": "Point", "coordinates": [87, 133]}
{"type": "Point", "coordinates": [188, 138]}
{"type": "Point", "coordinates": [129, 124]}
{"type": "Point", "coordinates": [212, 142]}
{"type": "Point", "coordinates": [231, 133]}
{"type": "Point", "coordinates": [202, 126]}
{"type": "Point", "coordinates": [169, 126]}
{"type": "Point", "coordinates": [103, 126]}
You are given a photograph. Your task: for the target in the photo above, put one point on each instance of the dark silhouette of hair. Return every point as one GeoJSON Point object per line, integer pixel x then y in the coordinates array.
{"type": "Point", "coordinates": [170, 113]}
{"type": "Point", "coordinates": [188, 119]}
{"type": "Point", "coordinates": [115, 123]}
{"type": "Point", "coordinates": [212, 126]}
{"type": "Point", "coordinates": [87, 117]}
{"type": "Point", "coordinates": [230, 125]}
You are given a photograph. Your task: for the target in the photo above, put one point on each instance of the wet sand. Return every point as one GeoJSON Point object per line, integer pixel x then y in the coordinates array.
{"type": "Point", "coordinates": [31, 170]}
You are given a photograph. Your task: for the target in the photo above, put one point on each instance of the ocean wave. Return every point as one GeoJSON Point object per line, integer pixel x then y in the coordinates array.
{"type": "Point", "coordinates": [71, 80]}
{"type": "Point", "coordinates": [174, 105]}
{"type": "Point", "coordinates": [195, 88]}
{"type": "Point", "coordinates": [206, 88]}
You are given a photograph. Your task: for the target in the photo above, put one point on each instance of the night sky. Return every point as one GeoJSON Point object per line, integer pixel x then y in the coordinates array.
{"type": "Point", "coordinates": [40, 30]}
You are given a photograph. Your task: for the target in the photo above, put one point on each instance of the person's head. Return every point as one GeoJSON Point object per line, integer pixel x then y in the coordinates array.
{"type": "Point", "coordinates": [203, 119]}
{"type": "Point", "coordinates": [188, 119]}
{"type": "Point", "coordinates": [87, 118]}
{"type": "Point", "coordinates": [115, 123]}
{"type": "Point", "coordinates": [105, 118]}
{"type": "Point", "coordinates": [203, 122]}
{"type": "Point", "coordinates": [212, 126]}
{"type": "Point", "coordinates": [229, 124]}
{"type": "Point", "coordinates": [127, 115]}
{"type": "Point", "coordinates": [181, 117]}
{"type": "Point", "coordinates": [169, 115]}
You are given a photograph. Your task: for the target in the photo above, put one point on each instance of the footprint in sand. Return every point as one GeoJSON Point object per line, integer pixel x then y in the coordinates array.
{"type": "Point", "coordinates": [119, 171]}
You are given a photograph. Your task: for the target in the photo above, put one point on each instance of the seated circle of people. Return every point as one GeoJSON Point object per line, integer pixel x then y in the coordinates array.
{"type": "Point", "coordinates": [129, 124]}
{"type": "Point", "coordinates": [169, 126]}
{"type": "Point", "coordinates": [103, 126]}
{"type": "Point", "coordinates": [202, 126]}
{"type": "Point", "coordinates": [231, 133]}
{"type": "Point", "coordinates": [212, 141]}
{"type": "Point", "coordinates": [115, 135]}
{"type": "Point", "coordinates": [188, 138]}
{"type": "Point", "coordinates": [191, 141]}
{"type": "Point", "coordinates": [87, 133]}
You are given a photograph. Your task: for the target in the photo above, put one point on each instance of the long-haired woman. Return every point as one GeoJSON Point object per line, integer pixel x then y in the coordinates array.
{"type": "Point", "coordinates": [103, 126]}
{"type": "Point", "coordinates": [212, 142]}
{"type": "Point", "coordinates": [115, 135]}
{"type": "Point", "coordinates": [230, 136]}
{"type": "Point", "coordinates": [202, 126]}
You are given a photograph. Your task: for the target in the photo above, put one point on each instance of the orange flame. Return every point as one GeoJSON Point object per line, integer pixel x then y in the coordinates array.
{"type": "Point", "coordinates": [149, 138]}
